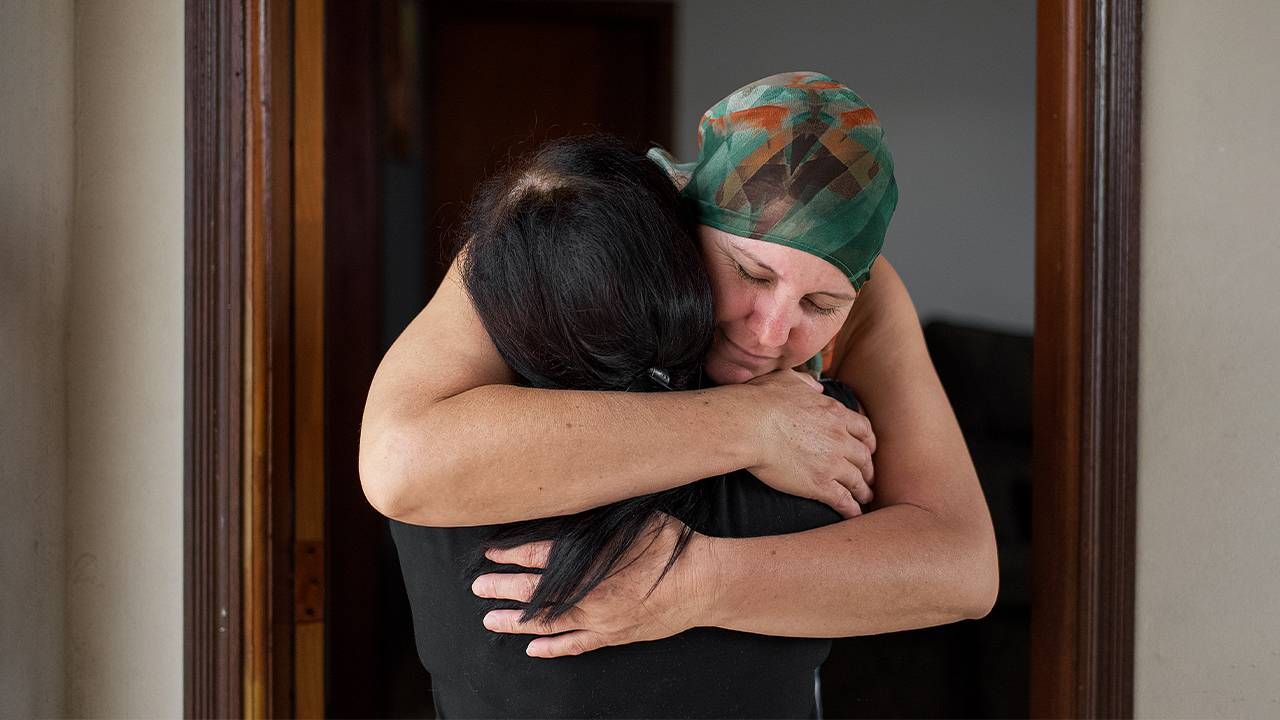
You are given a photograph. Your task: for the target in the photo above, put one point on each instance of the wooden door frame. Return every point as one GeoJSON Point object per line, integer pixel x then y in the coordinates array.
{"type": "Point", "coordinates": [239, 591]}
{"type": "Point", "coordinates": [239, 376]}
{"type": "Point", "coordinates": [1088, 157]}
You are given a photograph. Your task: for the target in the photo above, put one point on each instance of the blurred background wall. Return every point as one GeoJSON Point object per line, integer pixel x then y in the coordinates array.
{"type": "Point", "coordinates": [1208, 582]}
{"type": "Point", "coordinates": [125, 363]}
{"type": "Point", "coordinates": [91, 325]}
{"type": "Point", "coordinates": [37, 147]}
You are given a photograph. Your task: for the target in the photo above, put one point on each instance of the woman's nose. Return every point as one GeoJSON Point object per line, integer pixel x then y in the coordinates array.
{"type": "Point", "coordinates": [772, 326]}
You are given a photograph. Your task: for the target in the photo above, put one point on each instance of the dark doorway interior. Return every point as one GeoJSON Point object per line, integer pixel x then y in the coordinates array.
{"type": "Point", "coordinates": [423, 100]}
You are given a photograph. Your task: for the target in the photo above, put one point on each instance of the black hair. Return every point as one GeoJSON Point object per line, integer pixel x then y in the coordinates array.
{"type": "Point", "coordinates": [585, 270]}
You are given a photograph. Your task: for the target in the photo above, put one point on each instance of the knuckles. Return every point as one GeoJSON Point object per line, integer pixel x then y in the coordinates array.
{"type": "Point", "coordinates": [528, 584]}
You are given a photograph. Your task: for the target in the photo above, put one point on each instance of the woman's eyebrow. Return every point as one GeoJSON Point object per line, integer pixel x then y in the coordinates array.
{"type": "Point", "coordinates": [754, 259]}
{"type": "Point", "coordinates": [838, 296]}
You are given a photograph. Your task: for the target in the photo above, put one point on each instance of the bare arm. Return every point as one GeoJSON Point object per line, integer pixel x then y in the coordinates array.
{"type": "Point", "coordinates": [446, 440]}
{"type": "Point", "coordinates": [925, 556]}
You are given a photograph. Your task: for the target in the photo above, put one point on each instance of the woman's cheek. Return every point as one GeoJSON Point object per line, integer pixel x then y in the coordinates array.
{"type": "Point", "coordinates": [825, 331]}
{"type": "Point", "coordinates": [731, 306]}
{"type": "Point", "coordinates": [813, 336]}
{"type": "Point", "coordinates": [805, 345]}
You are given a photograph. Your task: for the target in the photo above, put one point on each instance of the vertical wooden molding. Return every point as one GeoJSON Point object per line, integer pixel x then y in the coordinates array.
{"type": "Point", "coordinates": [309, 353]}
{"type": "Point", "coordinates": [268, 354]}
{"type": "Point", "coordinates": [1060, 208]}
{"type": "Point", "coordinates": [1085, 459]}
{"type": "Point", "coordinates": [257, 574]}
{"type": "Point", "coordinates": [214, 248]}
{"type": "Point", "coordinates": [1111, 369]}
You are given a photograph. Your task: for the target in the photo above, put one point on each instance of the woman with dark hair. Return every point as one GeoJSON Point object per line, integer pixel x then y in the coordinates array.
{"type": "Point", "coordinates": [587, 276]}
{"type": "Point", "coordinates": [793, 190]}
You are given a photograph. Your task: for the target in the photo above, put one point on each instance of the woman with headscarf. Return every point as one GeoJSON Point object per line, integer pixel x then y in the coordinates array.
{"type": "Point", "coordinates": [588, 275]}
{"type": "Point", "coordinates": [794, 190]}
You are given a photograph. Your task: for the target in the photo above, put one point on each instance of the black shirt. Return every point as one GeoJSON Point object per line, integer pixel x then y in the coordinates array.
{"type": "Point", "coordinates": [700, 673]}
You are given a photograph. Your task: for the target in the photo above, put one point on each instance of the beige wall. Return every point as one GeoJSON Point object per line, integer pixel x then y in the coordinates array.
{"type": "Point", "coordinates": [36, 173]}
{"type": "Point", "coordinates": [124, 369]}
{"type": "Point", "coordinates": [91, 326]}
{"type": "Point", "coordinates": [1208, 603]}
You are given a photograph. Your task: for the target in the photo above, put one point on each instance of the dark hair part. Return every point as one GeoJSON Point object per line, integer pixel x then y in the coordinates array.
{"type": "Point", "coordinates": [585, 270]}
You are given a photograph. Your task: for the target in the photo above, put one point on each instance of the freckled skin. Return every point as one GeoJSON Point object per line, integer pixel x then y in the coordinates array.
{"type": "Point", "coordinates": [784, 317]}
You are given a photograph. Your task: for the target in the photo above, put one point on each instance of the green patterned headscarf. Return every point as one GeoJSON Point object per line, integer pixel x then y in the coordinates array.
{"type": "Point", "coordinates": [797, 159]}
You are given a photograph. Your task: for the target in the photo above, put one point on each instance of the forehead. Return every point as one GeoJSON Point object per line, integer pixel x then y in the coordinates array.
{"type": "Point", "coordinates": [790, 264]}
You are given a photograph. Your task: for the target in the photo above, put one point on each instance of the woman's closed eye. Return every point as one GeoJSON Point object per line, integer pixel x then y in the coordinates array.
{"type": "Point", "coordinates": [749, 277]}
{"type": "Point", "coordinates": [813, 306]}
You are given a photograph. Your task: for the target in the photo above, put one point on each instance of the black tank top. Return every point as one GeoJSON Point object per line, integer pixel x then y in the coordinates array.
{"type": "Point", "coordinates": [700, 673]}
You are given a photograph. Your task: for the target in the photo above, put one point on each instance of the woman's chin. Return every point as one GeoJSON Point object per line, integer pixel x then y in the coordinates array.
{"type": "Point", "coordinates": [728, 373]}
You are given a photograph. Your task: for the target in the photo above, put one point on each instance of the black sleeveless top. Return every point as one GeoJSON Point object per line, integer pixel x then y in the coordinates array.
{"type": "Point", "coordinates": [700, 673]}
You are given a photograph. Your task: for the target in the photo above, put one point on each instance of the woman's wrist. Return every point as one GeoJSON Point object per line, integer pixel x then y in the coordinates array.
{"type": "Point", "coordinates": [740, 423]}
{"type": "Point", "coordinates": [708, 589]}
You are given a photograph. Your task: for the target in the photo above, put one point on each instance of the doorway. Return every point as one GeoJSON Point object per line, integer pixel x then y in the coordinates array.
{"type": "Point", "coordinates": [432, 98]}
{"type": "Point", "coordinates": [378, 83]}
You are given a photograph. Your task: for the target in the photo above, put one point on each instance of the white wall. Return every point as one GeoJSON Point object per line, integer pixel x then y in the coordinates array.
{"type": "Point", "coordinates": [36, 170]}
{"type": "Point", "coordinates": [1208, 566]}
{"type": "Point", "coordinates": [954, 86]}
{"type": "Point", "coordinates": [125, 364]}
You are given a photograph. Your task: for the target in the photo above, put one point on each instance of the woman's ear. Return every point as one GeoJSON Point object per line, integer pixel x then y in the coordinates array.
{"type": "Point", "coordinates": [678, 172]}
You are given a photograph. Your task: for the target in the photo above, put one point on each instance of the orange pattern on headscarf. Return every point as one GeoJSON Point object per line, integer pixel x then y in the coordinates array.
{"type": "Point", "coordinates": [861, 116]}
{"type": "Point", "coordinates": [766, 117]}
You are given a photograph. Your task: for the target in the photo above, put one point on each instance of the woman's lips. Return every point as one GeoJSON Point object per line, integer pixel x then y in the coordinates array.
{"type": "Point", "coordinates": [744, 353]}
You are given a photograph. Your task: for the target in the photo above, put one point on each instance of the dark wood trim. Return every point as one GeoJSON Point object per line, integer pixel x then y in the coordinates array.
{"type": "Point", "coordinates": [268, 498]}
{"type": "Point", "coordinates": [212, 471]}
{"type": "Point", "coordinates": [310, 415]}
{"type": "Point", "coordinates": [1111, 410]}
{"type": "Point", "coordinates": [1085, 454]}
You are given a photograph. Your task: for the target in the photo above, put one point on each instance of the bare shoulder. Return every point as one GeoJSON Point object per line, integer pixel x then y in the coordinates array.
{"type": "Point", "coordinates": [921, 456]}
{"type": "Point", "coordinates": [882, 324]}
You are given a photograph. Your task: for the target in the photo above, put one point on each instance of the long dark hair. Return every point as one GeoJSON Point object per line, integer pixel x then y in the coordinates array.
{"type": "Point", "coordinates": [584, 268]}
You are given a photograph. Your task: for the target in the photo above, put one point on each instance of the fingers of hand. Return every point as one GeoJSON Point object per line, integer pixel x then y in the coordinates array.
{"type": "Point", "coordinates": [508, 621]}
{"type": "Point", "coordinates": [530, 555]}
{"type": "Point", "coordinates": [570, 643]}
{"type": "Point", "coordinates": [843, 503]}
{"type": "Point", "coordinates": [853, 484]}
{"type": "Point", "coordinates": [506, 586]}
{"type": "Point", "coordinates": [859, 458]}
{"type": "Point", "coordinates": [860, 427]}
